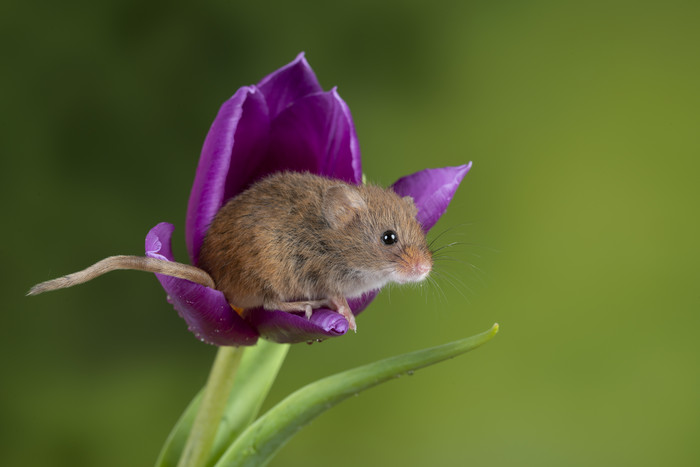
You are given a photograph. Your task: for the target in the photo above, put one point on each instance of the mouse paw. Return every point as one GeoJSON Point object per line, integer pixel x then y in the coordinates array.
{"type": "Point", "coordinates": [347, 314]}
{"type": "Point", "coordinates": [342, 307]}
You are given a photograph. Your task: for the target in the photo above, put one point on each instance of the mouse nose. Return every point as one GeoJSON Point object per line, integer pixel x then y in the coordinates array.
{"type": "Point", "coordinates": [421, 269]}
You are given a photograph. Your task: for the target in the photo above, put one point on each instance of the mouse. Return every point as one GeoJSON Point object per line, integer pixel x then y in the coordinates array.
{"type": "Point", "coordinates": [295, 242]}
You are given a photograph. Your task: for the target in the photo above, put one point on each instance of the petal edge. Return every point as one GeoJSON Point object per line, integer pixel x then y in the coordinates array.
{"type": "Point", "coordinates": [206, 311]}
{"type": "Point", "coordinates": [289, 84]}
{"type": "Point", "coordinates": [315, 134]}
{"type": "Point", "coordinates": [432, 190]}
{"type": "Point", "coordinates": [236, 139]}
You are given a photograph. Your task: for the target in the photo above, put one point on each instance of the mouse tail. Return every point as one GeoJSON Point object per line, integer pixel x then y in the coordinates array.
{"type": "Point", "coordinates": [138, 263]}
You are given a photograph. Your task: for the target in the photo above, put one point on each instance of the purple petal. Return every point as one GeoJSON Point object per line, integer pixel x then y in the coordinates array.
{"type": "Point", "coordinates": [233, 149]}
{"type": "Point", "coordinates": [283, 327]}
{"type": "Point", "coordinates": [432, 190]}
{"type": "Point", "coordinates": [315, 134]}
{"type": "Point", "coordinates": [349, 126]}
{"type": "Point", "coordinates": [290, 83]}
{"type": "Point", "coordinates": [206, 311]}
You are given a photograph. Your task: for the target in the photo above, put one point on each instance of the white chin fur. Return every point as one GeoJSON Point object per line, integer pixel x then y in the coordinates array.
{"type": "Point", "coordinates": [378, 281]}
{"type": "Point", "coordinates": [405, 279]}
{"type": "Point", "coordinates": [369, 283]}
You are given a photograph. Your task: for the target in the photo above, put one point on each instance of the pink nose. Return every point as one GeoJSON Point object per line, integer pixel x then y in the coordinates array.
{"type": "Point", "coordinates": [421, 268]}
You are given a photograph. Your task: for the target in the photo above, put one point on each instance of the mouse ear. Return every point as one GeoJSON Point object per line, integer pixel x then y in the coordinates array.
{"type": "Point", "coordinates": [340, 204]}
{"type": "Point", "coordinates": [412, 204]}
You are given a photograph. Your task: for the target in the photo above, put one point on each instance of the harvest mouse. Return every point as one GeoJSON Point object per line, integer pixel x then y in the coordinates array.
{"type": "Point", "coordinates": [296, 242]}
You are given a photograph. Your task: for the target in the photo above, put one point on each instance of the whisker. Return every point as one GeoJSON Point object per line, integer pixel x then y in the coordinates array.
{"type": "Point", "coordinates": [457, 280]}
{"type": "Point", "coordinates": [446, 231]}
{"type": "Point", "coordinates": [442, 297]}
{"type": "Point", "coordinates": [470, 253]}
{"type": "Point", "coordinates": [456, 260]}
{"type": "Point", "coordinates": [471, 244]}
{"type": "Point", "coordinates": [451, 280]}
{"type": "Point", "coordinates": [449, 245]}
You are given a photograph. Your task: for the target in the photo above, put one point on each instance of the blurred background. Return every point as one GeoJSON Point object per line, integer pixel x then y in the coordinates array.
{"type": "Point", "coordinates": [579, 221]}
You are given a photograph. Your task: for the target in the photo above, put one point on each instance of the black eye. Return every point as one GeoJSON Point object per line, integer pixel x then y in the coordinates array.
{"type": "Point", "coordinates": [389, 237]}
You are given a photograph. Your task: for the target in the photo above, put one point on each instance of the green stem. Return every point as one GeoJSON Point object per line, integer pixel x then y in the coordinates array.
{"type": "Point", "coordinates": [211, 409]}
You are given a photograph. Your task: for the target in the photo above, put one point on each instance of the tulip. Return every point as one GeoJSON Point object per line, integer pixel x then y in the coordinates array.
{"type": "Point", "coordinates": [285, 122]}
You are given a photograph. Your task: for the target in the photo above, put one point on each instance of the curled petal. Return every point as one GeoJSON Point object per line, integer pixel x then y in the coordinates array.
{"type": "Point", "coordinates": [288, 84]}
{"type": "Point", "coordinates": [206, 311]}
{"type": "Point", "coordinates": [283, 327]}
{"type": "Point", "coordinates": [234, 148]}
{"type": "Point", "coordinates": [432, 190]}
{"type": "Point", "coordinates": [315, 134]}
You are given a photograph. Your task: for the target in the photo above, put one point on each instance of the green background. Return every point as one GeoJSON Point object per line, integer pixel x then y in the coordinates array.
{"type": "Point", "coordinates": [579, 218]}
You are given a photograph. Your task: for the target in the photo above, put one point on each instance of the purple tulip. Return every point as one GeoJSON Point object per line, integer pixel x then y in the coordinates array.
{"type": "Point", "coordinates": [285, 122]}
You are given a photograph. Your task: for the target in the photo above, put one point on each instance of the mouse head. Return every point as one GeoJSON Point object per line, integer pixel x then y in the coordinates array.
{"type": "Point", "coordinates": [381, 235]}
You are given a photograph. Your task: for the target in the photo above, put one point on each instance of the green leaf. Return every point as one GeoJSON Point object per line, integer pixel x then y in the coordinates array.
{"type": "Point", "coordinates": [261, 440]}
{"type": "Point", "coordinates": [256, 373]}
{"type": "Point", "coordinates": [254, 379]}
{"type": "Point", "coordinates": [172, 449]}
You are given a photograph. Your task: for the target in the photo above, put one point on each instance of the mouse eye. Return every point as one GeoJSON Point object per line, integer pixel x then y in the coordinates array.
{"type": "Point", "coordinates": [389, 237]}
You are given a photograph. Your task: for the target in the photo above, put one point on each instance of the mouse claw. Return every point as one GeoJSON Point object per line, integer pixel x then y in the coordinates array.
{"type": "Point", "coordinates": [347, 314]}
{"type": "Point", "coordinates": [308, 311]}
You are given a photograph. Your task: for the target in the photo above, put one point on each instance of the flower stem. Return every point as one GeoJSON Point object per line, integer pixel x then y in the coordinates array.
{"type": "Point", "coordinates": [216, 393]}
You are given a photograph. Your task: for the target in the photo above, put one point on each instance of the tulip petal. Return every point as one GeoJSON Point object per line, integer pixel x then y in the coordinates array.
{"type": "Point", "coordinates": [288, 84]}
{"type": "Point", "coordinates": [206, 311]}
{"type": "Point", "coordinates": [431, 190]}
{"type": "Point", "coordinates": [234, 148]}
{"type": "Point", "coordinates": [349, 125]}
{"type": "Point", "coordinates": [290, 328]}
{"type": "Point", "coordinates": [315, 134]}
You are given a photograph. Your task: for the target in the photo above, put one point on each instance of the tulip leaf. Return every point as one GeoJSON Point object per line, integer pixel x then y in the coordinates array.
{"type": "Point", "coordinates": [256, 373]}
{"type": "Point", "coordinates": [260, 441]}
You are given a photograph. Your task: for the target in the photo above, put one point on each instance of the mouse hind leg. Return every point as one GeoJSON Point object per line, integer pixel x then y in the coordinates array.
{"type": "Point", "coordinates": [307, 306]}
